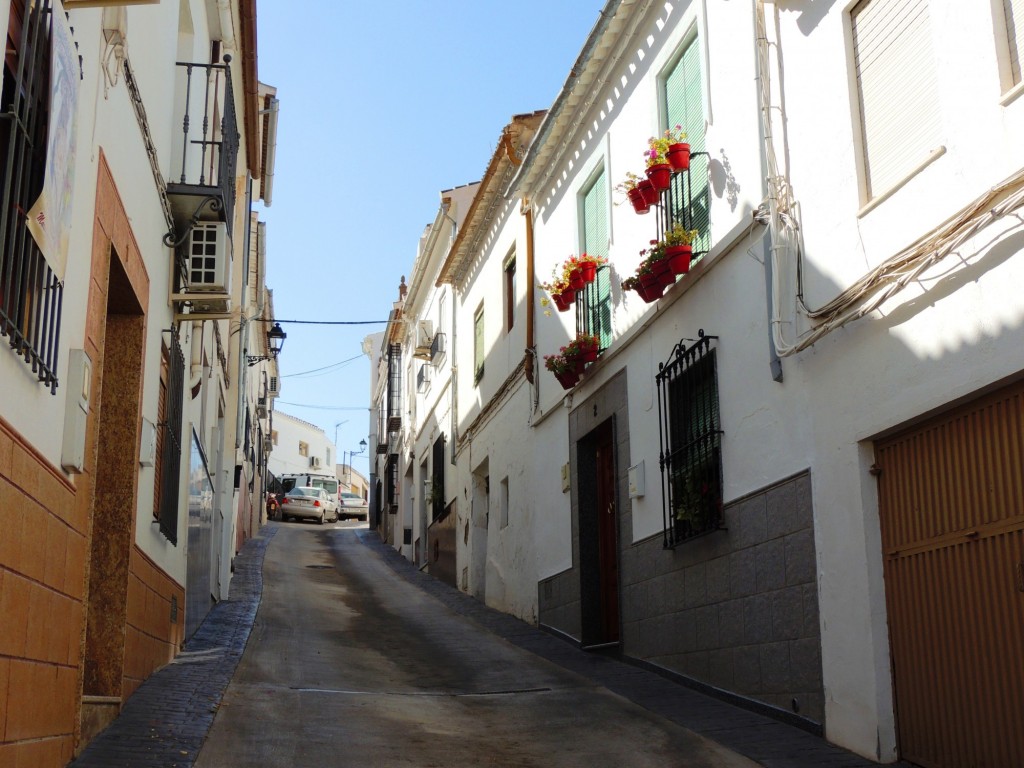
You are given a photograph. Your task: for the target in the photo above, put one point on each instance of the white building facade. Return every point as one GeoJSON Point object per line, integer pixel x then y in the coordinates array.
{"type": "Point", "coordinates": [790, 476]}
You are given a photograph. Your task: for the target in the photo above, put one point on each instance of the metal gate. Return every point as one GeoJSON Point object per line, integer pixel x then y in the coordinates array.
{"type": "Point", "coordinates": [951, 500]}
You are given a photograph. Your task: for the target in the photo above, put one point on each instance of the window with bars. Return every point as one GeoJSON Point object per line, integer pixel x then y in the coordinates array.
{"type": "Point", "coordinates": [169, 437]}
{"type": "Point", "coordinates": [688, 201]}
{"type": "Point", "coordinates": [438, 496]}
{"type": "Point", "coordinates": [31, 295]}
{"type": "Point", "coordinates": [690, 438]}
{"type": "Point", "coordinates": [594, 304]}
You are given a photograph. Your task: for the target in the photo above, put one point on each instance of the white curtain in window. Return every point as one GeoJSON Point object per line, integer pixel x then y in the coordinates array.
{"type": "Point", "coordinates": [897, 88]}
{"type": "Point", "coordinates": [1014, 12]}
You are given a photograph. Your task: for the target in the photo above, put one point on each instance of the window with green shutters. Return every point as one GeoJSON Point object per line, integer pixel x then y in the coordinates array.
{"type": "Point", "coordinates": [594, 310]}
{"type": "Point", "coordinates": [683, 105]}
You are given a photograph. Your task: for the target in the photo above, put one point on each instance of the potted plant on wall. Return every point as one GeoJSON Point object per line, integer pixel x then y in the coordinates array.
{"type": "Point", "coordinates": [631, 189]}
{"type": "Point", "coordinates": [589, 264]}
{"type": "Point", "coordinates": [659, 172]}
{"type": "Point", "coordinates": [677, 153]}
{"type": "Point", "coordinates": [563, 368]}
{"type": "Point", "coordinates": [678, 244]}
{"type": "Point", "coordinates": [561, 292]}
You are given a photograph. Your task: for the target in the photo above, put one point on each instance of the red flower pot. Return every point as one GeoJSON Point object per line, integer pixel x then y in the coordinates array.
{"type": "Point", "coordinates": [649, 279]}
{"type": "Point", "coordinates": [679, 258]}
{"type": "Point", "coordinates": [660, 175]}
{"type": "Point", "coordinates": [651, 293]}
{"type": "Point", "coordinates": [636, 197]}
{"type": "Point", "coordinates": [564, 300]}
{"type": "Point", "coordinates": [678, 156]}
{"type": "Point", "coordinates": [576, 281]}
{"type": "Point", "coordinates": [650, 194]}
{"type": "Point", "coordinates": [589, 271]}
{"type": "Point", "coordinates": [568, 380]}
{"type": "Point", "coordinates": [666, 276]}
{"type": "Point", "coordinates": [588, 354]}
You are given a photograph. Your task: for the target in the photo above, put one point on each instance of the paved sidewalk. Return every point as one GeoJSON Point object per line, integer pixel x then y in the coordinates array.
{"type": "Point", "coordinates": [164, 724]}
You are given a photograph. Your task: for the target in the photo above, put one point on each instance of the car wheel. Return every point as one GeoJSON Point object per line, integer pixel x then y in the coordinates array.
{"type": "Point", "coordinates": [321, 520]}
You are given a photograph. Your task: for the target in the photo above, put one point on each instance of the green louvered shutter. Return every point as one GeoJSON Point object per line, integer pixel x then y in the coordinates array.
{"type": "Point", "coordinates": [684, 105]}
{"type": "Point", "coordinates": [595, 242]}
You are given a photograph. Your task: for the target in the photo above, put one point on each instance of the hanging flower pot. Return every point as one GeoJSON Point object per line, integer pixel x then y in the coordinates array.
{"type": "Point", "coordinates": [564, 300]}
{"type": "Point", "coordinates": [651, 293]}
{"type": "Point", "coordinates": [678, 156]}
{"type": "Point", "coordinates": [666, 277]}
{"type": "Point", "coordinates": [660, 175]}
{"type": "Point", "coordinates": [588, 270]}
{"type": "Point", "coordinates": [679, 258]}
{"type": "Point", "coordinates": [636, 197]}
{"type": "Point", "coordinates": [650, 194]}
{"type": "Point", "coordinates": [576, 281]}
{"type": "Point", "coordinates": [568, 379]}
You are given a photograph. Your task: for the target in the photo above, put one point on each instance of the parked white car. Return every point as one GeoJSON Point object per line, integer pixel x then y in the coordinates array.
{"type": "Point", "coordinates": [308, 503]}
{"type": "Point", "coordinates": [307, 479]}
{"type": "Point", "coordinates": [353, 505]}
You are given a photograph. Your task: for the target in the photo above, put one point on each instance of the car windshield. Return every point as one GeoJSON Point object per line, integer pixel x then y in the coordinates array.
{"type": "Point", "coordinates": [331, 486]}
{"type": "Point", "coordinates": [351, 496]}
{"type": "Point", "coordinates": [304, 492]}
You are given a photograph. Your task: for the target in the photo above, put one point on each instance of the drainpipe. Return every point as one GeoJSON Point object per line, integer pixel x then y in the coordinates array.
{"type": "Point", "coordinates": [527, 211]}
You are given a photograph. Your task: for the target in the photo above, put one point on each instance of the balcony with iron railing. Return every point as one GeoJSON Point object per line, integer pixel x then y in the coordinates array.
{"type": "Point", "coordinates": [201, 187]}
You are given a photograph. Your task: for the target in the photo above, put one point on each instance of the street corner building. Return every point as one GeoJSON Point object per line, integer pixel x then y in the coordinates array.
{"type": "Point", "coordinates": [137, 373]}
{"type": "Point", "coordinates": [718, 367]}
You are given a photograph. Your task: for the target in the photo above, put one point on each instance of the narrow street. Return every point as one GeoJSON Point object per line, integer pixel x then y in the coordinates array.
{"type": "Point", "coordinates": [348, 663]}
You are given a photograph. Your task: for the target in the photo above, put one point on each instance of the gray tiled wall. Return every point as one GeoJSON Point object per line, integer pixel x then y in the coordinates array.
{"type": "Point", "coordinates": [737, 609]}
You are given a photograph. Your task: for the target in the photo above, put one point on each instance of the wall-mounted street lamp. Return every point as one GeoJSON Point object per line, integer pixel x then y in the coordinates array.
{"type": "Point", "coordinates": [275, 340]}
{"type": "Point", "coordinates": [362, 449]}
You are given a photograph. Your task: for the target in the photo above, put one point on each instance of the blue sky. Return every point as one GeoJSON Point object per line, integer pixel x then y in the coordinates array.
{"type": "Point", "coordinates": [383, 106]}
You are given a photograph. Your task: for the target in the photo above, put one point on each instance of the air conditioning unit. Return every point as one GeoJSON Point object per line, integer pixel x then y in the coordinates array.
{"type": "Point", "coordinates": [268, 445]}
{"type": "Point", "coordinates": [208, 259]}
{"type": "Point", "coordinates": [261, 408]}
{"type": "Point", "coordinates": [314, 462]}
{"type": "Point", "coordinates": [272, 387]}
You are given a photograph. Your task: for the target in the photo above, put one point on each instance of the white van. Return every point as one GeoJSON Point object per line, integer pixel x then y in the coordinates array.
{"type": "Point", "coordinates": [328, 482]}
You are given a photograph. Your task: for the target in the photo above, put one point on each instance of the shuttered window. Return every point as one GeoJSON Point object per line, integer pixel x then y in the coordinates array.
{"type": "Point", "coordinates": [684, 106]}
{"type": "Point", "coordinates": [1014, 13]}
{"type": "Point", "coordinates": [897, 89]}
{"type": "Point", "coordinates": [478, 345]}
{"type": "Point", "coordinates": [595, 309]}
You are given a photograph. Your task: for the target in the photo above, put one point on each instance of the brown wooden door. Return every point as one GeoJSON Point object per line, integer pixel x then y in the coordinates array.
{"type": "Point", "coordinates": [607, 536]}
{"type": "Point", "coordinates": [951, 500]}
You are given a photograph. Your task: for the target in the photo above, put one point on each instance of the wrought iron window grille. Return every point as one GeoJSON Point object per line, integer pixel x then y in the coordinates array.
{"type": "Point", "coordinates": [31, 296]}
{"type": "Point", "coordinates": [689, 436]}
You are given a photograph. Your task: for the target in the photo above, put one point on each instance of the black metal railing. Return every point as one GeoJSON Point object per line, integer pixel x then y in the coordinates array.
{"type": "Point", "coordinates": [594, 308]}
{"type": "Point", "coordinates": [31, 295]}
{"type": "Point", "coordinates": [687, 202]}
{"type": "Point", "coordinates": [209, 148]}
{"type": "Point", "coordinates": [690, 436]}
{"type": "Point", "coordinates": [394, 394]}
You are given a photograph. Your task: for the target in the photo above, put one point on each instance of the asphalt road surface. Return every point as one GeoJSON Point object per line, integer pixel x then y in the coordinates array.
{"type": "Point", "coordinates": [348, 664]}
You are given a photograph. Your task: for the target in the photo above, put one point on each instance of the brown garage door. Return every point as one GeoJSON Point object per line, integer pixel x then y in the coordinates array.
{"type": "Point", "coordinates": [951, 499]}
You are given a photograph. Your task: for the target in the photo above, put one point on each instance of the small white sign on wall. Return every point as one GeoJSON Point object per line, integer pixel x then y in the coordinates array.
{"type": "Point", "coordinates": [637, 483]}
